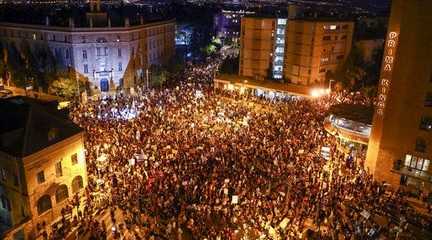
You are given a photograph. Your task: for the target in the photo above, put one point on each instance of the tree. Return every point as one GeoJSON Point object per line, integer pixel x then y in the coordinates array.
{"type": "Point", "coordinates": [351, 72]}
{"type": "Point", "coordinates": [66, 84]}
{"type": "Point", "coordinates": [373, 67]}
{"type": "Point", "coordinates": [230, 65]}
{"type": "Point", "coordinates": [158, 75]}
{"type": "Point", "coordinates": [27, 64]}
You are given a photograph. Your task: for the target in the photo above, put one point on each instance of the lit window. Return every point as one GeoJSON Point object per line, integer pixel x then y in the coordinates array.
{"type": "Point", "coordinates": [407, 159]}
{"type": "Point", "coordinates": [278, 58]}
{"type": "Point", "coordinates": [426, 165]}
{"type": "Point", "coordinates": [279, 50]}
{"type": "Point", "coordinates": [34, 36]}
{"type": "Point", "coordinates": [281, 21]}
{"type": "Point", "coordinates": [330, 27]}
{"type": "Point", "coordinates": [280, 40]}
{"type": "Point", "coordinates": [417, 163]}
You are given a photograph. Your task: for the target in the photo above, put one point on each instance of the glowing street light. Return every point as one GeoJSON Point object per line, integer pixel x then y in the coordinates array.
{"type": "Point", "coordinates": [319, 92]}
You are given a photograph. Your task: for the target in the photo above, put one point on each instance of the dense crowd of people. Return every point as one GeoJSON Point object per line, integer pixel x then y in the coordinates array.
{"type": "Point", "coordinates": [193, 162]}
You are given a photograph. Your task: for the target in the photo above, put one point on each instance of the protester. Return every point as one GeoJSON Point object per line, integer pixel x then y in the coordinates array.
{"type": "Point", "coordinates": [191, 162]}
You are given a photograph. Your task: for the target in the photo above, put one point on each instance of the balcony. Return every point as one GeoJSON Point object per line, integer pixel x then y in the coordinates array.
{"type": "Point", "coordinates": [401, 169]}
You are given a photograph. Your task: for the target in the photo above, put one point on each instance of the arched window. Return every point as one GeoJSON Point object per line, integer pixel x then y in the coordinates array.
{"type": "Point", "coordinates": [61, 193]}
{"type": "Point", "coordinates": [77, 184]}
{"type": "Point", "coordinates": [44, 204]}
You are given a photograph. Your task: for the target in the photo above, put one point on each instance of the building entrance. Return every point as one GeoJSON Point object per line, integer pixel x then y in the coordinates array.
{"type": "Point", "coordinates": [104, 85]}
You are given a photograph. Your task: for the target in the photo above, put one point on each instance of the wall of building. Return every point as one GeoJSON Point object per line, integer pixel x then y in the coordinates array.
{"type": "Point", "coordinates": [256, 47]}
{"type": "Point", "coordinates": [114, 55]}
{"type": "Point", "coordinates": [14, 205]}
{"type": "Point", "coordinates": [314, 48]}
{"type": "Point", "coordinates": [404, 96]}
{"type": "Point", "coordinates": [46, 161]}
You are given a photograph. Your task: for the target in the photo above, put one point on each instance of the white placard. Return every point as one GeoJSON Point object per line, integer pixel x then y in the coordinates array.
{"type": "Point", "coordinates": [234, 199]}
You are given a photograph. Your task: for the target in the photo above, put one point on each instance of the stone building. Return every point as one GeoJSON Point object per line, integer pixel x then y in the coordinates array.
{"type": "Point", "coordinates": [299, 51]}
{"type": "Point", "coordinates": [42, 165]}
{"type": "Point", "coordinates": [110, 54]}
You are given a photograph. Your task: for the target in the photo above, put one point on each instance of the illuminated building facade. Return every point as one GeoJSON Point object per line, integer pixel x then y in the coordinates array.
{"type": "Point", "coordinates": [399, 149]}
{"type": "Point", "coordinates": [295, 50]}
{"type": "Point", "coordinates": [42, 166]}
{"type": "Point", "coordinates": [256, 47]}
{"type": "Point", "coordinates": [350, 122]}
{"type": "Point", "coordinates": [314, 48]}
{"type": "Point", "coordinates": [227, 25]}
{"type": "Point", "coordinates": [110, 57]}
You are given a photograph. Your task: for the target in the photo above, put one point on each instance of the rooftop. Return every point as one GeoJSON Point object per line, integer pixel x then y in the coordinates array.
{"type": "Point", "coordinates": [266, 84]}
{"type": "Point", "coordinates": [28, 126]}
{"type": "Point", "coordinates": [355, 112]}
{"type": "Point", "coordinates": [62, 17]}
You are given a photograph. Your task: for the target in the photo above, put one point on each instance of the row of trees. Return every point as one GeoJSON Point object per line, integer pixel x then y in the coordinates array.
{"type": "Point", "coordinates": [23, 65]}
{"type": "Point", "coordinates": [27, 65]}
